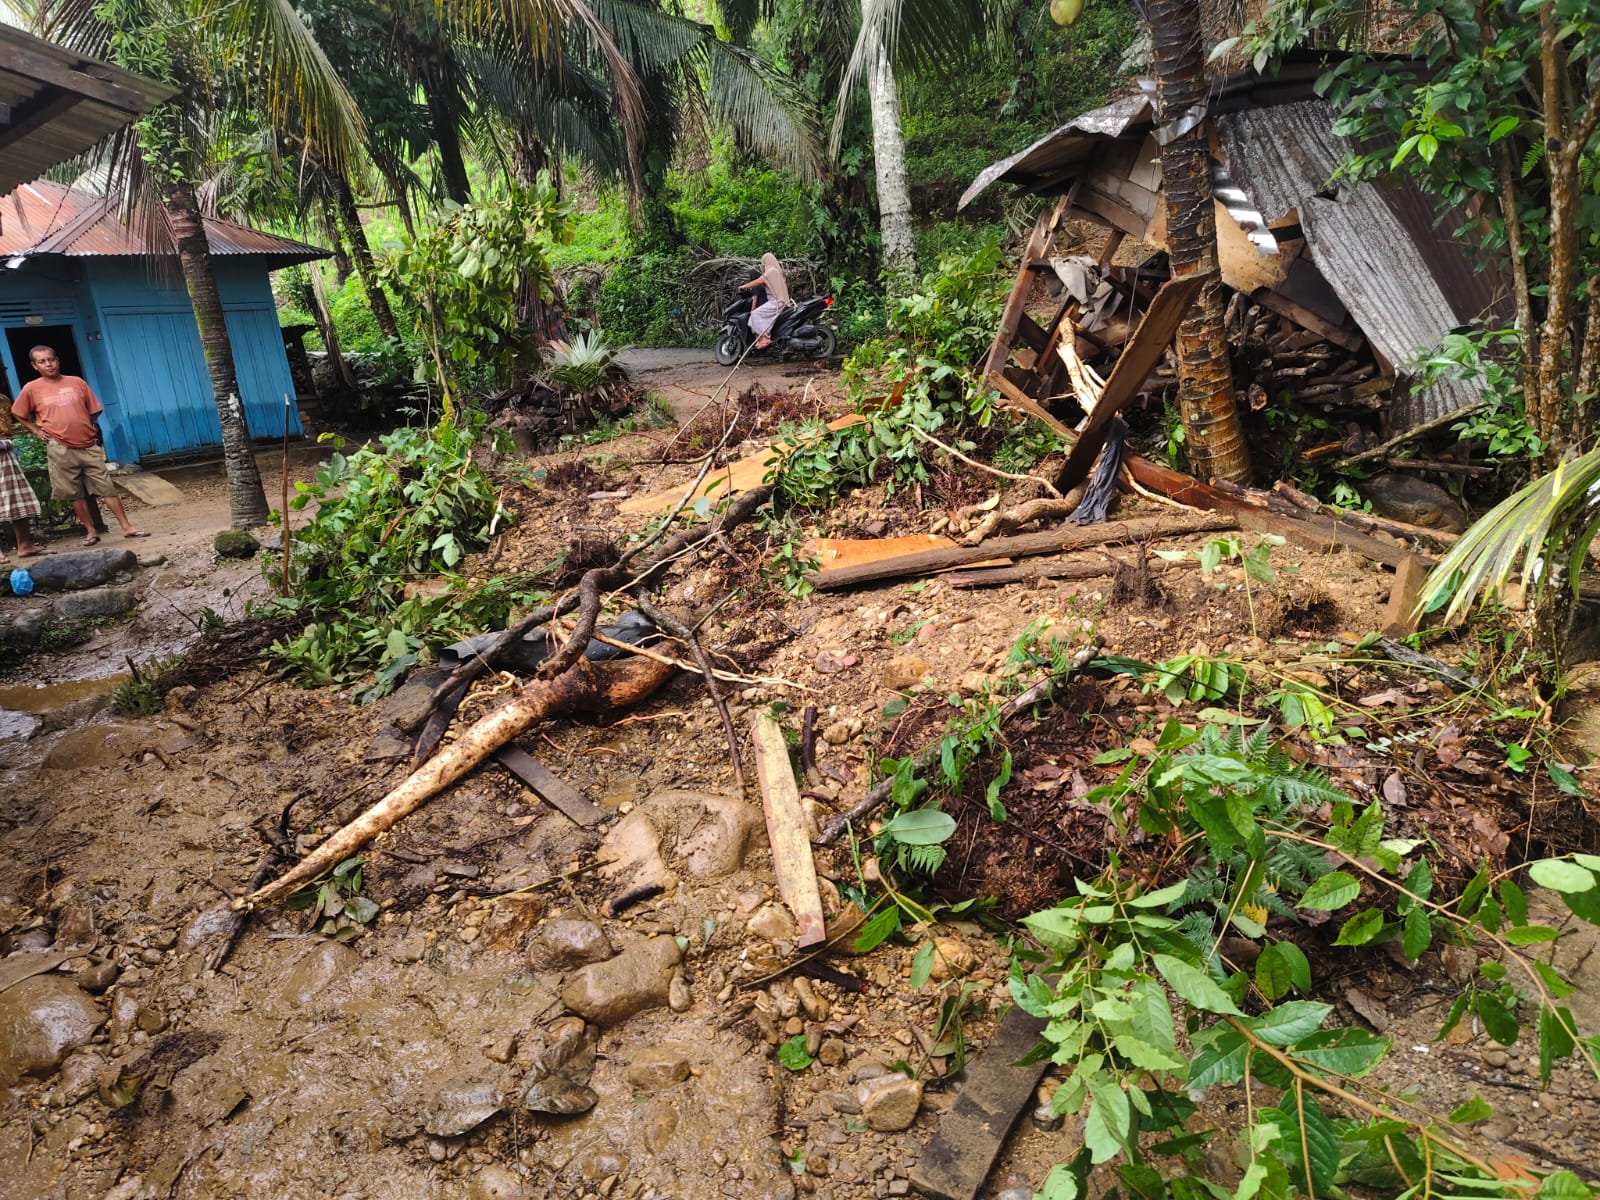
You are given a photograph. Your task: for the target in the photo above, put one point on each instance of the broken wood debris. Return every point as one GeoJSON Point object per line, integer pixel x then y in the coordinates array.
{"type": "Point", "coordinates": [1061, 569]}
{"type": "Point", "coordinates": [1072, 537]}
{"type": "Point", "coordinates": [583, 687]}
{"type": "Point", "coordinates": [963, 1150]}
{"type": "Point", "coordinates": [552, 789]}
{"type": "Point", "coordinates": [786, 829]}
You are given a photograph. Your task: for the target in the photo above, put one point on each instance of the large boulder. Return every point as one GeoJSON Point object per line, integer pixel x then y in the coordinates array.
{"type": "Point", "coordinates": [95, 602]}
{"type": "Point", "coordinates": [79, 569]}
{"type": "Point", "coordinates": [41, 1021]}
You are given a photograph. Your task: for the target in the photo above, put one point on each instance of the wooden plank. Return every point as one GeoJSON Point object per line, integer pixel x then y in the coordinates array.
{"type": "Point", "coordinates": [1057, 569]}
{"type": "Point", "coordinates": [786, 829]}
{"type": "Point", "coordinates": [1138, 358]}
{"type": "Point", "coordinates": [1400, 614]}
{"type": "Point", "coordinates": [972, 1131]}
{"type": "Point", "coordinates": [851, 552]}
{"type": "Point", "coordinates": [1039, 243]}
{"type": "Point", "coordinates": [36, 114]}
{"type": "Point", "coordinates": [735, 477]}
{"type": "Point", "coordinates": [1050, 541]}
{"type": "Point", "coordinates": [1306, 319]}
{"type": "Point", "coordinates": [556, 792]}
{"type": "Point", "coordinates": [1020, 400]}
{"type": "Point", "coordinates": [152, 489]}
{"type": "Point", "coordinates": [63, 68]}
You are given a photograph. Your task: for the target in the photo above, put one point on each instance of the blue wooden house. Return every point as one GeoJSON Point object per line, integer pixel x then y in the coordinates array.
{"type": "Point", "coordinates": [77, 279]}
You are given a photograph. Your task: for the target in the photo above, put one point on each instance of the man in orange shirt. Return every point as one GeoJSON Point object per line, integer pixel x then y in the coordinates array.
{"type": "Point", "coordinates": [62, 410]}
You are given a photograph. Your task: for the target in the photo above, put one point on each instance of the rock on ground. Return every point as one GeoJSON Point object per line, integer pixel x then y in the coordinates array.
{"type": "Point", "coordinates": [637, 979]}
{"type": "Point", "coordinates": [42, 1020]}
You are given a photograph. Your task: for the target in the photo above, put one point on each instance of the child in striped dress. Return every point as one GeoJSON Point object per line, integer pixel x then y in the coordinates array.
{"type": "Point", "coordinates": [18, 504]}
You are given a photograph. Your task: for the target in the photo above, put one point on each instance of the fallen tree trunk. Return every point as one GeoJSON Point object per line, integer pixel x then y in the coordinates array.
{"type": "Point", "coordinates": [1071, 537]}
{"type": "Point", "coordinates": [584, 687]}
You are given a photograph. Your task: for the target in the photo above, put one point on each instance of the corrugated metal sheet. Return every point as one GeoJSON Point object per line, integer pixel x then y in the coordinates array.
{"type": "Point", "coordinates": [47, 218]}
{"type": "Point", "coordinates": [1058, 152]}
{"type": "Point", "coordinates": [69, 104]}
{"type": "Point", "coordinates": [1286, 158]}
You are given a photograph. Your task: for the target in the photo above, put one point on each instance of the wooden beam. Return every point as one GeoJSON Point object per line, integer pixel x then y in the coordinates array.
{"type": "Point", "coordinates": [38, 112]}
{"type": "Point", "coordinates": [1050, 541]}
{"type": "Point", "coordinates": [1020, 400]}
{"type": "Point", "coordinates": [962, 1152]}
{"type": "Point", "coordinates": [1306, 319]}
{"type": "Point", "coordinates": [1400, 613]}
{"type": "Point", "coordinates": [786, 829]}
{"type": "Point", "coordinates": [61, 68]}
{"type": "Point", "coordinates": [1138, 358]}
{"type": "Point", "coordinates": [1039, 243]}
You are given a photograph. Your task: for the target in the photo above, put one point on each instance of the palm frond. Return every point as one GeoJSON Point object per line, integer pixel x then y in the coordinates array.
{"type": "Point", "coordinates": [744, 92]}
{"type": "Point", "coordinates": [917, 34]}
{"type": "Point", "coordinates": [284, 73]}
{"type": "Point", "coordinates": [1556, 514]}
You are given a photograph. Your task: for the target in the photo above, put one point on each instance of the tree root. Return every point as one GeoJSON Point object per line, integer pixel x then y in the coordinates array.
{"type": "Point", "coordinates": [585, 687]}
{"type": "Point", "coordinates": [1023, 514]}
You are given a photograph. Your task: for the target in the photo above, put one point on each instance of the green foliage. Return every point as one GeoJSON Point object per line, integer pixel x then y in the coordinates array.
{"type": "Point", "coordinates": [466, 268]}
{"type": "Point", "coordinates": [793, 1053]}
{"type": "Point", "coordinates": [637, 303]}
{"type": "Point", "coordinates": [336, 901]}
{"type": "Point", "coordinates": [738, 212]}
{"type": "Point", "coordinates": [1488, 358]}
{"type": "Point", "coordinates": [600, 235]}
{"type": "Point", "coordinates": [404, 511]}
{"type": "Point", "coordinates": [950, 320]}
{"type": "Point", "coordinates": [1252, 848]}
{"type": "Point", "coordinates": [145, 690]}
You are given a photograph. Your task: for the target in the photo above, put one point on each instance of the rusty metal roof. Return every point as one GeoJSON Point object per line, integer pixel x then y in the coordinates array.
{"type": "Point", "coordinates": [42, 218]}
{"type": "Point", "coordinates": [59, 104]}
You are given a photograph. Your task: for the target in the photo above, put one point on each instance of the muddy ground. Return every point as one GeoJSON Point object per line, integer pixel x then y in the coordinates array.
{"type": "Point", "coordinates": [401, 1061]}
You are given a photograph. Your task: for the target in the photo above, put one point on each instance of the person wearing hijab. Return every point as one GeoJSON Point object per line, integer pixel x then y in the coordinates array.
{"type": "Point", "coordinates": [764, 316]}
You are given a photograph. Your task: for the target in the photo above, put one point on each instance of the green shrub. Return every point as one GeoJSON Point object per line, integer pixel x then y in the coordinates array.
{"type": "Point", "coordinates": [638, 302]}
{"type": "Point", "coordinates": [599, 235]}
{"type": "Point", "coordinates": [745, 213]}
{"type": "Point", "coordinates": [392, 519]}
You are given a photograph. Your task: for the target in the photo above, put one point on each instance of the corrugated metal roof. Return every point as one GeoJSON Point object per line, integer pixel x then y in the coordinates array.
{"type": "Point", "coordinates": [47, 218]}
{"type": "Point", "coordinates": [60, 104]}
{"type": "Point", "coordinates": [1286, 158]}
{"type": "Point", "coordinates": [1061, 150]}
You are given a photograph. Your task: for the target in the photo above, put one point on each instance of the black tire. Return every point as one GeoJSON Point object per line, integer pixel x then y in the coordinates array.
{"type": "Point", "coordinates": [729, 347]}
{"type": "Point", "coordinates": [813, 341]}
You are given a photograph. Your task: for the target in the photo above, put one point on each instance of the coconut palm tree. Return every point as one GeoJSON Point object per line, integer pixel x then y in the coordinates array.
{"type": "Point", "coordinates": [256, 56]}
{"type": "Point", "coordinates": [1213, 437]}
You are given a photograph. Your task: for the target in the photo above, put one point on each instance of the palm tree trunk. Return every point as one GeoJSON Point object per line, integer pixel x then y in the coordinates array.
{"type": "Point", "coordinates": [444, 112]}
{"type": "Point", "coordinates": [247, 501]}
{"type": "Point", "coordinates": [361, 250]}
{"type": "Point", "coordinates": [1213, 440]}
{"type": "Point", "coordinates": [889, 163]}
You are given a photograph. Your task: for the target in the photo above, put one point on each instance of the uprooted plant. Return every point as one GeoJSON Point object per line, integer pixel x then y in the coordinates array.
{"type": "Point", "coordinates": [1251, 854]}
{"type": "Point", "coordinates": [374, 572]}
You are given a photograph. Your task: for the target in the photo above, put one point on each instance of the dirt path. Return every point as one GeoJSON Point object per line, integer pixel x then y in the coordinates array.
{"type": "Point", "coordinates": [475, 1040]}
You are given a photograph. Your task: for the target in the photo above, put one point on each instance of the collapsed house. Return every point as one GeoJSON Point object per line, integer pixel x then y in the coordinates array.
{"type": "Point", "coordinates": [1339, 290]}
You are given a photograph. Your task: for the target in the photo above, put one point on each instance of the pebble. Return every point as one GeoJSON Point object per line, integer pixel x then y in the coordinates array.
{"type": "Point", "coordinates": [469, 933]}
{"type": "Point", "coordinates": [657, 1067]}
{"type": "Point", "coordinates": [97, 977]}
{"type": "Point", "coordinates": [679, 998]}
{"type": "Point", "coordinates": [410, 948]}
{"type": "Point", "coordinates": [495, 1183]}
{"type": "Point", "coordinates": [816, 1007]}
{"type": "Point", "coordinates": [831, 1052]}
{"type": "Point", "coordinates": [1496, 1058]}
{"type": "Point", "coordinates": [773, 923]}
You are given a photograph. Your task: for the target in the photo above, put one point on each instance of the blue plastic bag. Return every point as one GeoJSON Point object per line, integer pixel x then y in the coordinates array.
{"type": "Point", "coordinates": [21, 582]}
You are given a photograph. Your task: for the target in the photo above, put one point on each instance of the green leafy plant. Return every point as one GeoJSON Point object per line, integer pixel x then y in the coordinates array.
{"type": "Point", "coordinates": [794, 1055]}
{"type": "Point", "coordinates": [1254, 850]}
{"type": "Point", "coordinates": [335, 901]}
{"type": "Point", "coordinates": [391, 517]}
{"type": "Point", "coordinates": [145, 690]}
{"type": "Point", "coordinates": [467, 268]}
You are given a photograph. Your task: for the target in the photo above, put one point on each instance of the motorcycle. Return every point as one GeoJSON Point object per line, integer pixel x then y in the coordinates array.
{"type": "Point", "coordinates": [795, 332]}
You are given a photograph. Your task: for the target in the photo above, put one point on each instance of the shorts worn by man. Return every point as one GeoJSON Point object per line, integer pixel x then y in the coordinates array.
{"type": "Point", "coordinates": [62, 409]}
